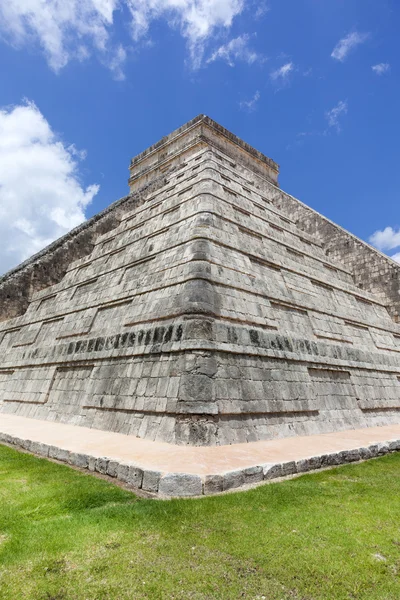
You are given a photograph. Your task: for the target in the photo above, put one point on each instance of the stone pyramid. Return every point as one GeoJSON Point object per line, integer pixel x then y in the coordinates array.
{"type": "Point", "coordinates": [207, 307]}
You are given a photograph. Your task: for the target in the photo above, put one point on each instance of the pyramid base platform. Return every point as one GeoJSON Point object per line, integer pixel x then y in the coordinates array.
{"type": "Point", "coordinates": [165, 470]}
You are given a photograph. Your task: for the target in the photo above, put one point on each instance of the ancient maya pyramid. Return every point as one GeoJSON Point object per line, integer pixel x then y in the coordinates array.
{"type": "Point", "coordinates": [207, 307]}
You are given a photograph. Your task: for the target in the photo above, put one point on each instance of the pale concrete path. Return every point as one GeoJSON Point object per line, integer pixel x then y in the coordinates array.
{"type": "Point", "coordinates": [202, 461]}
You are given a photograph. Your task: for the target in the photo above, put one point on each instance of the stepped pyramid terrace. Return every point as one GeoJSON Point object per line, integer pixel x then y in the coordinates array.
{"type": "Point", "coordinates": [207, 308]}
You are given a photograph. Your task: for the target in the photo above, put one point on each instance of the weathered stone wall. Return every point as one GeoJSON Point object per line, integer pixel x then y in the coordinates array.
{"type": "Point", "coordinates": [49, 266]}
{"type": "Point", "coordinates": [372, 270]}
{"type": "Point", "coordinates": [203, 315]}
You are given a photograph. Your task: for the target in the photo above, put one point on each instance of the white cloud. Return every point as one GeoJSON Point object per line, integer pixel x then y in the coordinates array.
{"type": "Point", "coordinates": [197, 20]}
{"type": "Point", "coordinates": [333, 115]}
{"type": "Point", "coordinates": [236, 49]}
{"type": "Point", "coordinates": [386, 239]}
{"type": "Point", "coordinates": [381, 68]}
{"type": "Point", "coordinates": [396, 257]}
{"type": "Point", "coordinates": [250, 105]}
{"type": "Point", "coordinates": [41, 197]}
{"type": "Point", "coordinates": [58, 26]}
{"type": "Point", "coordinates": [74, 29]}
{"type": "Point", "coordinates": [282, 73]}
{"type": "Point", "coordinates": [346, 44]}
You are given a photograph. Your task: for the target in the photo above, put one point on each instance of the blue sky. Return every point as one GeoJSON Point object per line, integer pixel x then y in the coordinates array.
{"type": "Point", "coordinates": [86, 85]}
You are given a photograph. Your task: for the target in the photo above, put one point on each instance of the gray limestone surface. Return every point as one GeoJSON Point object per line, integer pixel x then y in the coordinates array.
{"type": "Point", "coordinates": [208, 307]}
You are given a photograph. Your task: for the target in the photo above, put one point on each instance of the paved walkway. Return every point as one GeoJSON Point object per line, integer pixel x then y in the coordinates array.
{"type": "Point", "coordinates": [163, 457]}
{"type": "Point", "coordinates": [169, 470]}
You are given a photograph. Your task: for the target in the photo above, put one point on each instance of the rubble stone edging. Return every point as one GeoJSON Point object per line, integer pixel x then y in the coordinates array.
{"type": "Point", "coordinates": [173, 485]}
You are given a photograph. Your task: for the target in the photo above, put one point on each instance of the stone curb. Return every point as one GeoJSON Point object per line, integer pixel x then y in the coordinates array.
{"type": "Point", "coordinates": [175, 485]}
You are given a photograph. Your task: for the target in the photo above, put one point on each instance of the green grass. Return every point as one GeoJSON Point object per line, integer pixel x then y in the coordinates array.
{"type": "Point", "coordinates": [66, 535]}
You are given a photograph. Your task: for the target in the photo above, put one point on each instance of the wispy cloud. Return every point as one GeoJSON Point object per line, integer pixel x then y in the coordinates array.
{"type": "Point", "coordinates": [348, 43]}
{"type": "Point", "coordinates": [115, 62]}
{"type": "Point", "coordinates": [303, 136]}
{"type": "Point", "coordinates": [334, 115]}
{"type": "Point", "coordinates": [300, 139]}
{"type": "Point", "coordinates": [250, 105]}
{"type": "Point", "coordinates": [282, 74]}
{"type": "Point", "coordinates": [236, 50]}
{"type": "Point", "coordinates": [381, 68]}
{"type": "Point", "coordinates": [77, 29]}
{"type": "Point", "coordinates": [261, 10]}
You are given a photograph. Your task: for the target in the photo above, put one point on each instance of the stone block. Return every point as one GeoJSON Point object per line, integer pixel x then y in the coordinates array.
{"type": "Point", "coordinates": [373, 450]}
{"type": "Point", "coordinates": [394, 445]}
{"type": "Point", "coordinates": [253, 475]}
{"type": "Point", "coordinates": [200, 329]}
{"type": "Point", "coordinates": [233, 479]}
{"type": "Point", "coordinates": [39, 448]}
{"type": "Point", "coordinates": [347, 456]}
{"type": "Point", "coordinates": [213, 484]}
{"type": "Point", "coordinates": [16, 441]}
{"type": "Point", "coordinates": [135, 477]}
{"type": "Point", "coordinates": [79, 460]}
{"type": "Point", "coordinates": [325, 460]}
{"type": "Point", "coordinates": [26, 444]}
{"type": "Point", "coordinates": [383, 448]}
{"type": "Point", "coordinates": [365, 453]}
{"type": "Point", "coordinates": [59, 453]}
{"type": "Point", "coordinates": [275, 470]}
{"type": "Point", "coordinates": [335, 459]}
{"type": "Point", "coordinates": [288, 468]}
{"type": "Point", "coordinates": [112, 468]}
{"type": "Point", "coordinates": [180, 485]}
{"type": "Point", "coordinates": [151, 481]}
{"type": "Point", "coordinates": [272, 471]}
{"type": "Point", "coordinates": [101, 465]}
{"type": "Point", "coordinates": [196, 388]}
{"type": "Point", "coordinates": [123, 471]}
{"type": "Point", "coordinates": [130, 474]}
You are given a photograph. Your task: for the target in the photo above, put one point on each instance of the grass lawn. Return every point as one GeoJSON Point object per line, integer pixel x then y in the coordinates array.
{"type": "Point", "coordinates": [68, 535]}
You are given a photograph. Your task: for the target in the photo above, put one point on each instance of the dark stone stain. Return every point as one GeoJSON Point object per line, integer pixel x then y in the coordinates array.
{"type": "Point", "coordinates": [178, 333]}
{"type": "Point", "coordinates": [168, 334]}
{"type": "Point", "coordinates": [232, 335]}
{"type": "Point", "coordinates": [254, 337]}
{"type": "Point", "coordinates": [99, 344]}
{"type": "Point", "coordinates": [158, 334]}
{"type": "Point", "coordinates": [124, 339]}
